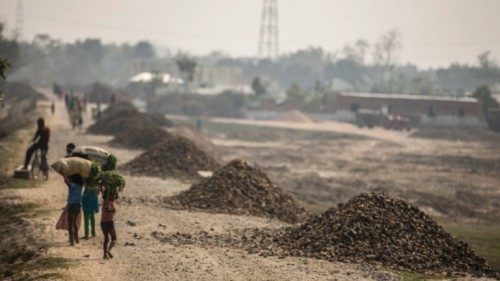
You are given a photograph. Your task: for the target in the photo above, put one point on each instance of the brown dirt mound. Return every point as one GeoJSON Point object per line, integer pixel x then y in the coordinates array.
{"type": "Point", "coordinates": [380, 229]}
{"type": "Point", "coordinates": [116, 108]}
{"type": "Point", "coordinates": [122, 117]}
{"type": "Point", "coordinates": [296, 116]}
{"type": "Point", "coordinates": [118, 125]}
{"type": "Point", "coordinates": [195, 136]}
{"type": "Point", "coordinates": [240, 189]}
{"type": "Point", "coordinates": [140, 138]}
{"type": "Point", "coordinates": [175, 157]}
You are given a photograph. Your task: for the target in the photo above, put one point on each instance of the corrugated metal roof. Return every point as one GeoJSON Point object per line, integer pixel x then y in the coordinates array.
{"type": "Point", "coordinates": [408, 97]}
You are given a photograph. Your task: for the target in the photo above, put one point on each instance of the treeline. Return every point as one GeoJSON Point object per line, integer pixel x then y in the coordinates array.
{"type": "Point", "coordinates": [360, 66]}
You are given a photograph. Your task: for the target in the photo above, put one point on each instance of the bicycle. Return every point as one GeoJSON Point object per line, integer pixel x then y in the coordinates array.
{"type": "Point", "coordinates": [39, 165]}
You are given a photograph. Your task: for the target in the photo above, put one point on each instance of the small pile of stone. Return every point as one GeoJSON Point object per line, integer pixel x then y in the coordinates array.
{"type": "Point", "coordinates": [175, 157]}
{"type": "Point", "coordinates": [241, 189]}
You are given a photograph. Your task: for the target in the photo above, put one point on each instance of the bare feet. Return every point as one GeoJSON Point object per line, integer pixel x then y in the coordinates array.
{"type": "Point", "coordinates": [110, 255]}
{"type": "Point", "coordinates": [105, 257]}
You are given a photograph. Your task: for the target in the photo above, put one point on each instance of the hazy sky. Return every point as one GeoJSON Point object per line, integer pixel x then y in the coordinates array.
{"type": "Point", "coordinates": [435, 32]}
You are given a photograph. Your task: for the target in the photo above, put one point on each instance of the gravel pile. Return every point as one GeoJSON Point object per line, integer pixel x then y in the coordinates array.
{"type": "Point", "coordinates": [140, 138]}
{"type": "Point", "coordinates": [122, 117]}
{"type": "Point", "coordinates": [241, 189]}
{"type": "Point", "coordinates": [175, 157]}
{"type": "Point", "coordinates": [370, 228]}
{"type": "Point", "coordinates": [377, 228]}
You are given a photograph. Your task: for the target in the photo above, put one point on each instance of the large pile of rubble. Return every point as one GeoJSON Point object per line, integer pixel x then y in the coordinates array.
{"type": "Point", "coordinates": [140, 138]}
{"type": "Point", "coordinates": [239, 188]}
{"type": "Point", "coordinates": [175, 157]}
{"type": "Point", "coordinates": [377, 228]}
{"type": "Point", "coordinates": [370, 228]}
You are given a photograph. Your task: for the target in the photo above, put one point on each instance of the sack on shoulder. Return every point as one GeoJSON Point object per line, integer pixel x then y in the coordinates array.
{"type": "Point", "coordinates": [72, 166]}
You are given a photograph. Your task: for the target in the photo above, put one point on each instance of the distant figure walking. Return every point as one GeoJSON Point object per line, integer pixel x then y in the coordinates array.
{"type": "Point", "coordinates": [53, 108]}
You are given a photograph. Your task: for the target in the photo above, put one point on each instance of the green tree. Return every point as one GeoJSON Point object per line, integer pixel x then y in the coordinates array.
{"type": "Point", "coordinates": [386, 55]}
{"type": "Point", "coordinates": [485, 60]}
{"type": "Point", "coordinates": [9, 48]}
{"type": "Point", "coordinates": [10, 53]}
{"type": "Point", "coordinates": [4, 65]}
{"type": "Point", "coordinates": [144, 50]}
{"type": "Point", "coordinates": [187, 66]}
{"type": "Point", "coordinates": [258, 88]}
{"type": "Point", "coordinates": [483, 96]}
{"type": "Point", "coordinates": [296, 94]}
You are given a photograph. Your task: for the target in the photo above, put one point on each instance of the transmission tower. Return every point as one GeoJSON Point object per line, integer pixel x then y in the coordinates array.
{"type": "Point", "coordinates": [268, 40]}
{"type": "Point", "coordinates": [18, 32]}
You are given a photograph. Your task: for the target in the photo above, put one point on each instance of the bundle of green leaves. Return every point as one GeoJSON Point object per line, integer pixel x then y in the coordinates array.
{"type": "Point", "coordinates": [110, 184]}
{"type": "Point", "coordinates": [110, 164]}
{"type": "Point", "coordinates": [91, 182]}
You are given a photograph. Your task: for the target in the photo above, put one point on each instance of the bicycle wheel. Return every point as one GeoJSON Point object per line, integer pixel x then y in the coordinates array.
{"type": "Point", "coordinates": [36, 169]}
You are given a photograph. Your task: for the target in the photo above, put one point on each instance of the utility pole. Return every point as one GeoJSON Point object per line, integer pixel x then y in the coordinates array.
{"type": "Point", "coordinates": [19, 30]}
{"type": "Point", "coordinates": [269, 30]}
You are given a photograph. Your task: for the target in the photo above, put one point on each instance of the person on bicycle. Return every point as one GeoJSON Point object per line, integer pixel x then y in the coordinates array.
{"type": "Point", "coordinates": [43, 136]}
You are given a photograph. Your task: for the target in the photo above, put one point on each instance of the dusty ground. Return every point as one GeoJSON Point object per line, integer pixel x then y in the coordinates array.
{"type": "Point", "coordinates": [342, 164]}
{"type": "Point", "coordinates": [327, 163]}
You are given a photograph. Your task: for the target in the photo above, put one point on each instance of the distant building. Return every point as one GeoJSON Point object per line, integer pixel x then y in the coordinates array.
{"type": "Point", "coordinates": [435, 111]}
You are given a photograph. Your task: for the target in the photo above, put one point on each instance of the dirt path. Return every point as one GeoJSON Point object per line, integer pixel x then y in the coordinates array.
{"type": "Point", "coordinates": [325, 126]}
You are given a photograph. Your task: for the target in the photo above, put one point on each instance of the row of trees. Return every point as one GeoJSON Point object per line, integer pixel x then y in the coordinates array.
{"type": "Point", "coordinates": [360, 66]}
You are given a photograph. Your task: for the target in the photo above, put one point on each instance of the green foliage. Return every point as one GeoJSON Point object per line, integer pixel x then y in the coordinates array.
{"type": "Point", "coordinates": [296, 94]}
{"type": "Point", "coordinates": [95, 171]}
{"type": "Point", "coordinates": [144, 50]}
{"type": "Point", "coordinates": [258, 88]}
{"type": "Point", "coordinates": [483, 96]}
{"type": "Point", "coordinates": [110, 184]}
{"type": "Point", "coordinates": [4, 65]}
{"type": "Point", "coordinates": [110, 164]}
{"type": "Point", "coordinates": [9, 49]}
{"type": "Point", "coordinates": [187, 65]}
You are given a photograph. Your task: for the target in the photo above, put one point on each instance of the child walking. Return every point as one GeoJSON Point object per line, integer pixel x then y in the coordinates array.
{"type": "Point", "coordinates": [90, 206]}
{"type": "Point", "coordinates": [108, 224]}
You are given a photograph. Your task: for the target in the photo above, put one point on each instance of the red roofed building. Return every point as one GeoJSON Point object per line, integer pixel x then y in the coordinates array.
{"type": "Point", "coordinates": [436, 111]}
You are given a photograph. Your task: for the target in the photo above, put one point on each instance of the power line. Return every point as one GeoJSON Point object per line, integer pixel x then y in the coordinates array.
{"type": "Point", "coordinates": [265, 43]}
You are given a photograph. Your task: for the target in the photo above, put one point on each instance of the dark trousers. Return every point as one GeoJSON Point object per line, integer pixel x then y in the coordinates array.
{"type": "Point", "coordinates": [32, 150]}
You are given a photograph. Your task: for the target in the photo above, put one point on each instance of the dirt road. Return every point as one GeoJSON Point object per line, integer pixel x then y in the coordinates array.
{"type": "Point", "coordinates": [139, 256]}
